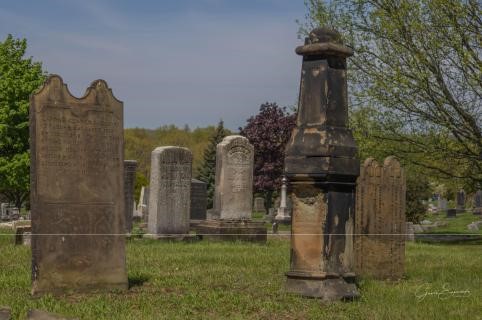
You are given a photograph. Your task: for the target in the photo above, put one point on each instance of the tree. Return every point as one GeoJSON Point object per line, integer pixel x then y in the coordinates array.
{"type": "Point", "coordinates": [268, 132]}
{"type": "Point", "coordinates": [19, 77]}
{"type": "Point", "coordinates": [417, 67]}
{"type": "Point", "coordinates": [207, 168]}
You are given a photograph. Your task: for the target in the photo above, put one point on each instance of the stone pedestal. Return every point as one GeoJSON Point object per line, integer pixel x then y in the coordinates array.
{"type": "Point", "coordinates": [460, 200]}
{"type": "Point", "coordinates": [322, 169]}
{"type": "Point", "coordinates": [283, 214]}
{"type": "Point", "coordinates": [232, 230]}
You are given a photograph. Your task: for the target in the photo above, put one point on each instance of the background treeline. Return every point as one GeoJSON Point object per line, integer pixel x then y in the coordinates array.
{"type": "Point", "coordinates": [139, 143]}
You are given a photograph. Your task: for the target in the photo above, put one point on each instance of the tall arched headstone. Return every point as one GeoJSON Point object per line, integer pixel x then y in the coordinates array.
{"type": "Point", "coordinates": [380, 225]}
{"type": "Point", "coordinates": [77, 198]}
{"type": "Point", "coordinates": [233, 196]}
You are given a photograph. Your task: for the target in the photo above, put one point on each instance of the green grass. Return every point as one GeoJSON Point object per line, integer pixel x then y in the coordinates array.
{"type": "Point", "coordinates": [455, 225]}
{"type": "Point", "coordinates": [208, 280]}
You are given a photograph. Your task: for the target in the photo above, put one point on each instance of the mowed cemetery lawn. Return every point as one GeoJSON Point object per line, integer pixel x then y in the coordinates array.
{"type": "Point", "coordinates": [209, 280]}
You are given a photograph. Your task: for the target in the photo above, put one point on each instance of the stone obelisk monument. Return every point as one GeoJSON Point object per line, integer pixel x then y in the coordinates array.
{"type": "Point", "coordinates": [322, 168]}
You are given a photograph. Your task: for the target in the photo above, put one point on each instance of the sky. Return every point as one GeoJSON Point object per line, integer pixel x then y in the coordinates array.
{"type": "Point", "coordinates": [176, 62]}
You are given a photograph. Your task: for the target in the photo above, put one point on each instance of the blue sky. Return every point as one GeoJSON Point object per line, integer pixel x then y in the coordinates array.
{"type": "Point", "coordinates": [171, 62]}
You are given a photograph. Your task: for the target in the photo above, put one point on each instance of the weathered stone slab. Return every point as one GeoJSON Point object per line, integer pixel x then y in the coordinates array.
{"type": "Point", "coordinates": [77, 198]}
{"type": "Point", "coordinates": [380, 225]}
{"type": "Point", "coordinates": [460, 201]}
{"type": "Point", "coordinates": [258, 205]}
{"type": "Point", "coordinates": [23, 235]}
{"type": "Point", "coordinates": [232, 230]}
{"type": "Point", "coordinates": [234, 179]}
{"type": "Point", "coordinates": [5, 313]}
{"type": "Point", "coordinates": [130, 167]}
{"type": "Point", "coordinates": [199, 200]}
{"type": "Point", "coordinates": [478, 203]}
{"type": "Point", "coordinates": [170, 191]}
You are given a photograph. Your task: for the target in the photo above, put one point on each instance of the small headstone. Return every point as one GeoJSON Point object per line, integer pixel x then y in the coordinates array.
{"type": "Point", "coordinates": [259, 205]}
{"type": "Point", "coordinates": [23, 235]}
{"type": "Point", "coordinates": [234, 178]}
{"type": "Point", "coordinates": [478, 203]}
{"type": "Point", "coordinates": [274, 227]}
{"type": "Point", "coordinates": [451, 213]}
{"type": "Point", "coordinates": [426, 222]}
{"type": "Point", "coordinates": [410, 232]}
{"type": "Point", "coordinates": [76, 197]}
{"type": "Point", "coordinates": [460, 206]}
{"type": "Point", "coordinates": [170, 191]}
{"type": "Point", "coordinates": [130, 167]}
{"type": "Point", "coordinates": [199, 200]}
{"type": "Point", "coordinates": [473, 227]}
{"type": "Point", "coordinates": [417, 228]}
{"type": "Point", "coordinates": [442, 205]}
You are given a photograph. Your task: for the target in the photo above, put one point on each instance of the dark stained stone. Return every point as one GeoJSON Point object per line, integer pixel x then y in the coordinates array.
{"type": "Point", "coordinates": [130, 167]}
{"type": "Point", "coordinates": [77, 198]}
{"type": "Point", "coordinates": [478, 203]}
{"type": "Point", "coordinates": [198, 200]}
{"type": "Point", "coordinates": [322, 168]}
{"type": "Point", "coordinates": [451, 213]}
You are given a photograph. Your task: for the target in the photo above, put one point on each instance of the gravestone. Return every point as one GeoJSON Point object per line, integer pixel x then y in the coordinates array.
{"type": "Point", "coordinates": [442, 205]}
{"type": "Point", "coordinates": [283, 213]}
{"type": "Point", "coordinates": [23, 235]}
{"type": "Point", "coordinates": [380, 225]}
{"type": "Point", "coordinates": [258, 205]}
{"type": "Point", "coordinates": [170, 192]}
{"type": "Point", "coordinates": [410, 232]}
{"type": "Point", "coordinates": [77, 198]}
{"type": "Point", "coordinates": [321, 168]}
{"type": "Point", "coordinates": [130, 167]}
{"type": "Point", "coordinates": [460, 203]}
{"type": "Point", "coordinates": [199, 200]}
{"type": "Point", "coordinates": [233, 196]}
{"type": "Point", "coordinates": [477, 203]}
{"type": "Point", "coordinates": [451, 213]}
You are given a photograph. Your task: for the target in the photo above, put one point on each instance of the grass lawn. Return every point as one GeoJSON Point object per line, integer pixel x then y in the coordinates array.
{"type": "Point", "coordinates": [208, 280]}
{"type": "Point", "coordinates": [455, 225]}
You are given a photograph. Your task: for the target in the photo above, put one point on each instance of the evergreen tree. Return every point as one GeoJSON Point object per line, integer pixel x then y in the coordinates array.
{"type": "Point", "coordinates": [207, 169]}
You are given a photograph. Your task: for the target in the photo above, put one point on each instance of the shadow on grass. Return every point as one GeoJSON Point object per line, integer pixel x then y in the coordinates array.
{"type": "Point", "coordinates": [137, 280]}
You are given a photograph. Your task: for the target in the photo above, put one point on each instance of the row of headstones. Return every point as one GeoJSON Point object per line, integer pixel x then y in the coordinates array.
{"type": "Point", "coordinates": [442, 204]}
{"type": "Point", "coordinates": [8, 212]}
{"type": "Point", "coordinates": [78, 199]}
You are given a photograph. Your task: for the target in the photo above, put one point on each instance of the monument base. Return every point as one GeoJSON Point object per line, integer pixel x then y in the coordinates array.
{"type": "Point", "coordinates": [232, 230]}
{"type": "Point", "coordinates": [477, 211]}
{"type": "Point", "coordinates": [173, 237]}
{"type": "Point", "coordinates": [282, 217]}
{"type": "Point", "coordinates": [322, 287]}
